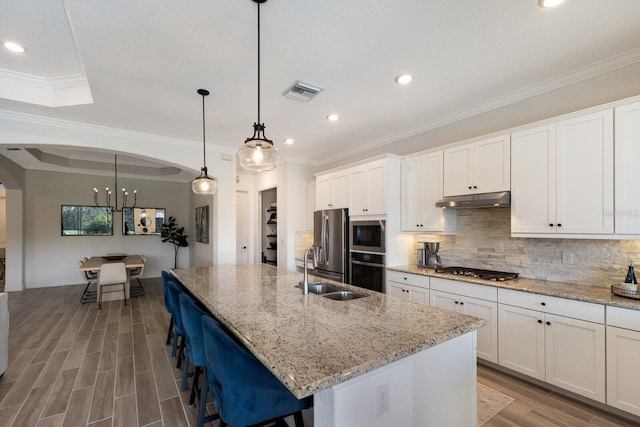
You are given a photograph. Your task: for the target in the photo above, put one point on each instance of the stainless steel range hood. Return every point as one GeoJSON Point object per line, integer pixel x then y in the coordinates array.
{"type": "Point", "coordinates": [484, 200]}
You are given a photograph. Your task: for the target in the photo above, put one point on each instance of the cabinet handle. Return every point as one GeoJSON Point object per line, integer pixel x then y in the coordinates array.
{"type": "Point", "coordinates": [549, 323]}
{"type": "Point", "coordinates": [559, 225]}
{"type": "Point", "coordinates": [461, 302]}
{"type": "Point", "coordinates": [404, 278]}
{"type": "Point", "coordinates": [543, 304]}
{"type": "Point", "coordinates": [539, 321]}
{"type": "Point", "coordinates": [469, 187]}
{"type": "Point", "coordinates": [456, 302]}
{"type": "Point", "coordinates": [550, 225]}
{"type": "Point", "coordinates": [475, 186]}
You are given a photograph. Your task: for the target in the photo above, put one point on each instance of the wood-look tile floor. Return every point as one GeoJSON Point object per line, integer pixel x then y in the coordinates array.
{"type": "Point", "coordinates": [71, 364]}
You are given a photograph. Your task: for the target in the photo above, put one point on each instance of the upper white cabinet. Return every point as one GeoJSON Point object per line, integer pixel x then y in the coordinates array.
{"type": "Point", "coordinates": [332, 190]}
{"type": "Point", "coordinates": [420, 189]}
{"type": "Point", "coordinates": [479, 167]}
{"type": "Point", "coordinates": [368, 189]}
{"type": "Point", "coordinates": [627, 155]}
{"type": "Point", "coordinates": [562, 177]}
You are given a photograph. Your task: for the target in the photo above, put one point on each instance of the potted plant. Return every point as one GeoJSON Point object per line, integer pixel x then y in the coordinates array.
{"type": "Point", "coordinates": [174, 234]}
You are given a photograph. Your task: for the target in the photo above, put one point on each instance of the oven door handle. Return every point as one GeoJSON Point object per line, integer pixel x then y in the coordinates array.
{"type": "Point", "coordinates": [368, 264]}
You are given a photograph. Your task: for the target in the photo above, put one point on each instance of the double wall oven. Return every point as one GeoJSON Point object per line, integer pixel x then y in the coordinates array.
{"type": "Point", "coordinates": [367, 254]}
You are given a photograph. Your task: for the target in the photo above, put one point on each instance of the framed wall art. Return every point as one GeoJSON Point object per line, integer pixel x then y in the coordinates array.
{"type": "Point", "coordinates": [202, 224]}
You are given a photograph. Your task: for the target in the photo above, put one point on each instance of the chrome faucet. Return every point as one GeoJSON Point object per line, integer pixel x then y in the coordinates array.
{"type": "Point", "coordinates": [305, 281]}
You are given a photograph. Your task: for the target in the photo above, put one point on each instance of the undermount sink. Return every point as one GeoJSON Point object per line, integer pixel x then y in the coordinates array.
{"type": "Point", "coordinates": [321, 288]}
{"type": "Point", "coordinates": [343, 295]}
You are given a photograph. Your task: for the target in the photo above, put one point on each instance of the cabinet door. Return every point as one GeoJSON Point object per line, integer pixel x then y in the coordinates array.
{"type": "Point", "coordinates": [575, 356]}
{"type": "Point", "coordinates": [623, 375]}
{"type": "Point", "coordinates": [410, 195]}
{"type": "Point", "coordinates": [340, 190]}
{"type": "Point", "coordinates": [376, 189]}
{"type": "Point", "coordinates": [627, 153]}
{"type": "Point", "coordinates": [533, 180]}
{"type": "Point", "coordinates": [492, 165]}
{"type": "Point", "coordinates": [458, 170]}
{"type": "Point", "coordinates": [358, 192]}
{"type": "Point", "coordinates": [585, 174]}
{"type": "Point", "coordinates": [445, 301]}
{"type": "Point", "coordinates": [488, 334]}
{"type": "Point", "coordinates": [431, 180]}
{"type": "Point", "coordinates": [521, 340]}
{"type": "Point", "coordinates": [323, 192]}
{"type": "Point", "coordinates": [397, 290]}
{"type": "Point", "coordinates": [419, 295]}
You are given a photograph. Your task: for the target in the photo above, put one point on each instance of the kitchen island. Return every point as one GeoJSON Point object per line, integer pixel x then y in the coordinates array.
{"type": "Point", "coordinates": [373, 361]}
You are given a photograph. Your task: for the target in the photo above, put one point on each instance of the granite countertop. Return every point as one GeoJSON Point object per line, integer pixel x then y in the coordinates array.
{"type": "Point", "coordinates": [594, 294]}
{"type": "Point", "coordinates": [311, 342]}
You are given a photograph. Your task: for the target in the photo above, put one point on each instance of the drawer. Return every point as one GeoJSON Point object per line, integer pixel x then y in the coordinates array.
{"type": "Point", "coordinates": [409, 279]}
{"type": "Point", "coordinates": [563, 307]}
{"type": "Point", "coordinates": [472, 290]}
{"type": "Point", "coordinates": [623, 318]}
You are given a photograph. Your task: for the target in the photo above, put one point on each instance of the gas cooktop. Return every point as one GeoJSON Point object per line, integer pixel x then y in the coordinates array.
{"type": "Point", "coordinates": [499, 276]}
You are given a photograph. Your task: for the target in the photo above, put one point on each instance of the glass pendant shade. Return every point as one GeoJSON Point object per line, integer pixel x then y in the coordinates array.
{"type": "Point", "coordinates": [258, 154]}
{"type": "Point", "coordinates": [204, 184]}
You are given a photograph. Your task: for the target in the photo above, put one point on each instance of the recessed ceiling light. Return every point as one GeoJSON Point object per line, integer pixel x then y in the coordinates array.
{"type": "Point", "coordinates": [403, 79]}
{"type": "Point", "coordinates": [14, 47]}
{"type": "Point", "coordinates": [550, 3]}
{"type": "Point", "coordinates": [289, 141]}
{"type": "Point", "coordinates": [332, 117]}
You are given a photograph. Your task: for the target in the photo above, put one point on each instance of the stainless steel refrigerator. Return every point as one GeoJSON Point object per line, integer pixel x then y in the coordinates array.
{"type": "Point", "coordinates": [331, 238]}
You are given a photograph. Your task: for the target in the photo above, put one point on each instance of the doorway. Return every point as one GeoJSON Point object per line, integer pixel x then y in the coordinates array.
{"type": "Point", "coordinates": [242, 227]}
{"type": "Point", "coordinates": [269, 224]}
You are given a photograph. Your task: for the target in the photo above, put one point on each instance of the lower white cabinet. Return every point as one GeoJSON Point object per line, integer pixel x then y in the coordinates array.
{"type": "Point", "coordinates": [568, 352]}
{"type": "Point", "coordinates": [411, 287]}
{"type": "Point", "coordinates": [474, 300]}
{"type": "Point", "coordinates": [623, 354]}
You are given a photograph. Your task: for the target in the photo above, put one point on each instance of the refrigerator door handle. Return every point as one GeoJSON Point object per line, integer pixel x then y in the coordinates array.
{"type": "Point", "coordinates": [325, 238]}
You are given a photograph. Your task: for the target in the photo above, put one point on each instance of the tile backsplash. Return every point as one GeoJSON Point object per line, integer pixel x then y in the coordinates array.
{"type": "Point", "coordinates": [484, 241]}
{"type": "Point", "coordinates": [304, 239]}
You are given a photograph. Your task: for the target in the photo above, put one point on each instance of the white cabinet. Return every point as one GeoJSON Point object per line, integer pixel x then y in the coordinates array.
{"type": "Point", "coordinates": [474, 300]}
{"type": "Point", "coordinates": [555, 340]}
{"type": "Point", "coordinates": [332, 190]}
{"type": "Point", "coordinates": [562, 177]}
{"type": "Point", "coordinates": [623, 348]}
{"type": "Point", "coordinates": [627, 153]}
{"type": "Point", "coordinates": [479, 167]}
{"type": "Point", "coordinates": [420, 189]}
{"type": "Point", "coordinates": [368, 189]}
{"type": "Point", "coordinates": [411, 287]}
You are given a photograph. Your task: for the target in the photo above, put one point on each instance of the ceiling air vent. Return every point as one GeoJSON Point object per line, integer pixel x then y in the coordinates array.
{"type": "Point", "coordinates": [302, 91]}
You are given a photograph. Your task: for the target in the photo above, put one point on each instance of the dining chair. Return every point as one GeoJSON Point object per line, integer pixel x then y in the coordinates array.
{"type": "Point", "coordinates": [136, 273]}
{"type": "Point", "coordinates": [244, 391]}
{"type": "Point", "coordinates": [192, 313]}
{"type": "Point", "coordinates": [112, 274]}
{"type": "Point", "coordinates": [179, 340]}
{"type": "Point", "coordinates": [91, 277]}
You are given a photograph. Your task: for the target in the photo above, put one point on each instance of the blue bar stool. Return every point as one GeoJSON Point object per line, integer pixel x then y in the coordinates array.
{"type": "Point", "coordinates": [192, 321]}
{"type": "Point", "coordinates": [243, 389]}
{"type": "Point", "coordinates": [174, 302]}
{"type": "Point", "coordinates": [165, 290]}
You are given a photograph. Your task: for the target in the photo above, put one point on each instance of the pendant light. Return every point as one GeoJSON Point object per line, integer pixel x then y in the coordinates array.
{"type": "Point", "coordinates": [258, 153]}
{"type": "Point", "coordinates": [204, 184]}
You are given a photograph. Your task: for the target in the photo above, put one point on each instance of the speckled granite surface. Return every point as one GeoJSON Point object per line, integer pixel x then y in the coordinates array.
{"type": "Point", "coordinates": [595, 294]}
{"type": "Point", "coordinates": [310, 342]}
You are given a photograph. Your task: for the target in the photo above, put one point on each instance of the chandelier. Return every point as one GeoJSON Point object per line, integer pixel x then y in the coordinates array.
{"type": "Point", "coordinates": [258, 153]}
{"type": "Point", "coordinates": [204, 184]}
{"type": "Point", "coordinates": [125, 194]}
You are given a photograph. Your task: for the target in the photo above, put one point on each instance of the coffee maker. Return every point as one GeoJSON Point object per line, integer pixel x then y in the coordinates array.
{"type": "Point", "coordinates": [428, 255]}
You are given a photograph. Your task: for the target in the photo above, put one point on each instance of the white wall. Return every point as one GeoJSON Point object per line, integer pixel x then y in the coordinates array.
{"type": "Point", "coordinates": [51, 259]}
{"type": "Point", "coordinates": [3, 216]}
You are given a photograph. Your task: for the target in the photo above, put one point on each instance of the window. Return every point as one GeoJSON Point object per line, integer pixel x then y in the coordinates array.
{"type": "Point", "coordinates": [86, 221]}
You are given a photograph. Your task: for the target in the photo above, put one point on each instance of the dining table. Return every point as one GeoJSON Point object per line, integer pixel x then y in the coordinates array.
{"type": "Point", "coordinates": [130, 262]}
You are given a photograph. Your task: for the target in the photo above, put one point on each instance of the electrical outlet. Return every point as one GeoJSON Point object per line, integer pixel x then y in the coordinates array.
{"type": "Point", "coordinates": [382, 399]}
{"type": "Point", "coordinates": [567, 257]}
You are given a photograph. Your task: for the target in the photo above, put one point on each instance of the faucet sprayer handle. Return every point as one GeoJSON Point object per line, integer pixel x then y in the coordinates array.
{"type": "Point", "coordinates": [315, 256]}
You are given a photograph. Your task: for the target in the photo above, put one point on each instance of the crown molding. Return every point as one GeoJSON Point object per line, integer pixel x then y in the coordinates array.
{"type": "Point", "coordinates": [58, 91]}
